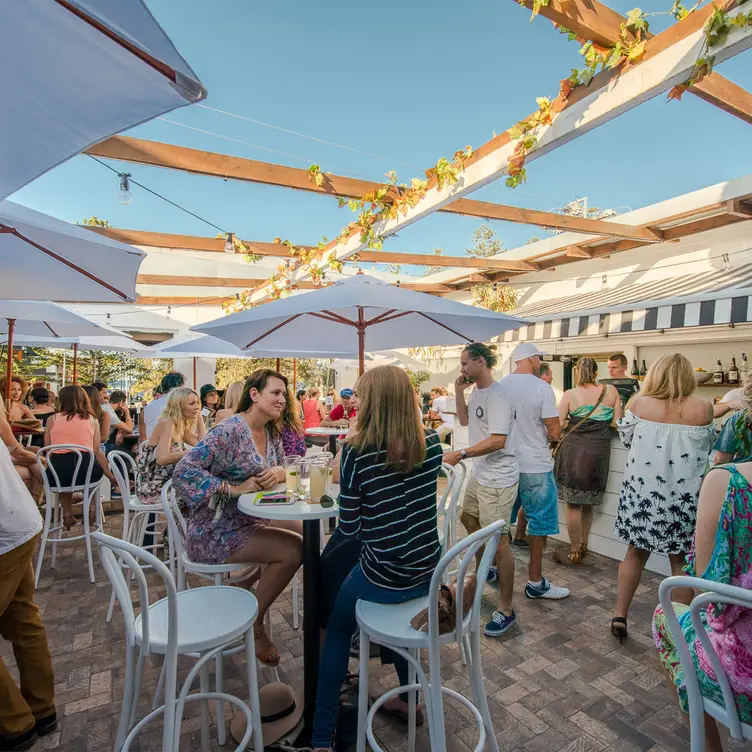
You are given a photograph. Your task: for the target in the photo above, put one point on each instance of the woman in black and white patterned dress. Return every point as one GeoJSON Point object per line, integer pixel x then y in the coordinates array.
{"type": "Point", "coordinates": [669, 432]}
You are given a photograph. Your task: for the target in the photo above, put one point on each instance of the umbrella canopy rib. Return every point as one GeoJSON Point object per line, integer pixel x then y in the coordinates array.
{"type": "Point", "coordinates": [444, 326]}
{"type": "Point", "coordinates": [272, 330]}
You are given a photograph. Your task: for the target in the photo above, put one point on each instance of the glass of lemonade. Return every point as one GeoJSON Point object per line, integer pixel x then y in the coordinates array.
{"type": "Point", "coordinates": [319, 479]}
{"type": "Point", "coordinates": [292, 470]}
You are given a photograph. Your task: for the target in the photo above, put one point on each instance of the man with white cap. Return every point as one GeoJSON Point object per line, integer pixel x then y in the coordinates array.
{"type": "Point", "coordinates": [536, 424]}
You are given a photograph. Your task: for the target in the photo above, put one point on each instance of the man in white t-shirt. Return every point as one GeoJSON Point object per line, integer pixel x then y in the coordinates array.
{"type": "Point", "coordinates": [536, 424]}
{"type": "Point", "coordinates": [440, 407]}
{"type": "Point", "coordinates": [154, 409]}
{"type": "Point", "coordinates": [492, 488]}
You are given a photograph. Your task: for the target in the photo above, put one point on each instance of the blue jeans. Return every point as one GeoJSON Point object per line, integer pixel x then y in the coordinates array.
{"type": "Point", "coordinates": [540, 503]}
{"type": "Point", "coordinates": [336, 653]}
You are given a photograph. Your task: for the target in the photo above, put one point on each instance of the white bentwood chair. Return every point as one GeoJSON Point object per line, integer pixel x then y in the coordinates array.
{"type": "Point", "coordinates": [136, 514]}
{"type": "Point", "coordinates": [728, 713]}
{"type": "Point", "coordinates": [203, 621]}
{"type": "Point", "coordinates": [389, 625]}
{"type": "Point", "coordinates": [52, 490]}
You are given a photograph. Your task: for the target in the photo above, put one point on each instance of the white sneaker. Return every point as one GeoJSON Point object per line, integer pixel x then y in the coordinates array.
{"type": "Point", "coordinates": [546, 590]}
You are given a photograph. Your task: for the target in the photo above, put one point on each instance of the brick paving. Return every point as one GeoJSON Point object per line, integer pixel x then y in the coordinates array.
{"type": "Point", "coordinates": [557, 681]}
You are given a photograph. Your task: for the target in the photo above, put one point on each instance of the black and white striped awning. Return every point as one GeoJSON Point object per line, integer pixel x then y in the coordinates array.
{"type": "Point", "coordinates": [706, 299]}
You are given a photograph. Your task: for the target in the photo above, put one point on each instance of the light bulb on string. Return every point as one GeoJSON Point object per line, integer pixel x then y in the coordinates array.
{"type": "Point", "coordinates": [727, 265]}
{"type": "Point", "coordinates": [169, 311]}
{"type": "Point", "coordinates": [124, 195]}
{"type": "Point", "coordinates": [230, 243]}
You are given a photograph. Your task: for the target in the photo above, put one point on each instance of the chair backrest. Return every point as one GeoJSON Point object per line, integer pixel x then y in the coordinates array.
{"type": "Point", "coordinates": [53, 485]}
{"type": "Point", "coordinates": [450, 474]}
{"type": "Point", "coordinates": [177, 526]}
{"type": "Point", "coordinates": [714, 592]}
{"type": "Point", "coordinates": [123, 467]}
{"type": "Point", "coordinates": [463, 553]}
{"type": "Point", "coordinates": [450, 513]}
{"type": "Point", "coordinates": [116, 555]}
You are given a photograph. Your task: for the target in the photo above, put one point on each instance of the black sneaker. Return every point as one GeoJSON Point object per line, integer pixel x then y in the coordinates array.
{"type": "Point", "coordinates": [19, 741]}
{"type": "Point", "coordinates": [520, 543]}
{"type": "Point", "coordinates": [46, 726]}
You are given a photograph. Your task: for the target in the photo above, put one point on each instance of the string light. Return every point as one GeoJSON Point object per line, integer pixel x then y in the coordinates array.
{"type": "Point", "coordinates": [727, 265]}
{"type": "Point", "coordinates": [124, 195]}
{"type": "Point", "coordinates": [230, 243]}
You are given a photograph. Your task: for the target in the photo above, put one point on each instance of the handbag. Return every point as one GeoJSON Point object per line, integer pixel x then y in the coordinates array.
{"type": "Point", "coordinates": [571, 428]}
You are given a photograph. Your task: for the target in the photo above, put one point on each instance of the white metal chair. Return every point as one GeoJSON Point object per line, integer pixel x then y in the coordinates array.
{"type": "Point", "coordinates": [84, 485]}
{"type": "Point", "coordinates": [713, 592]}
{"type": "Point", "coordinates": [137, 526]}
{"type": "Point", "coordinates": [219, 574]}
{"type": "Point", "coordinates": [200, 622]}
{"type": "Point", "coordinates": [389, 625]}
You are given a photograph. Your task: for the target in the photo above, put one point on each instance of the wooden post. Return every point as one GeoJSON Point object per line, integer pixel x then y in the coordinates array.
{"type": "Point", "coordinates": [75, 363]}
{"type": "Point", "coordinates": [9, 364]}
{"type": "Point", "coordinates": [279, 364]}
{"type": "Point", "coordinates": [295, 375]}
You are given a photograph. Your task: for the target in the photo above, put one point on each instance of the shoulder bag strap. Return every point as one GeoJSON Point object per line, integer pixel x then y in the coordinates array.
{"type": "Point", "coordinates": [571, 428]}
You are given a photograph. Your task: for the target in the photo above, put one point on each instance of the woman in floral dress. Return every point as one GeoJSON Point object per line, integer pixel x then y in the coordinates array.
{"type": "Point", "coordinates": [722, 552]}
{"type": "Point", "coordinates": [241, 455]}
{"type": "Point", "coordinates": [178, 428]}
{"type": "Point", "coordinates": [669, 432]}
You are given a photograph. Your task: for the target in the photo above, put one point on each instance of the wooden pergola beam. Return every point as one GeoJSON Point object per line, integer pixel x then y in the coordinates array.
{"type": "Point", "coordinates": [199, 162]}
{"type": "Point", "coordinates": [215, 245]}
{"type": "Point", "coordinates": [592, 20]}
{"type": "Point", "coordinates": [168, 279]}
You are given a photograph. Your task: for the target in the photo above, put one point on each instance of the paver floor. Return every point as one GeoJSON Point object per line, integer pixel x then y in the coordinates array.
{"type": "Point", "coordinates": [556, 681]}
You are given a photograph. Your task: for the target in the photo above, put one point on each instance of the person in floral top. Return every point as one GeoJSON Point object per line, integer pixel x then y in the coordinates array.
{"type": "Point", "coordinates": [721, 552]}
{"type": "Point", "coordinates": [241, 455]}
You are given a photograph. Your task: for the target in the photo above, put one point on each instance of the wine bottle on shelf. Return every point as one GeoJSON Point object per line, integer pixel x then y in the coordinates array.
{"type": "Point", "coordinates": [718, 373]}
{"type": "Point", "coordinates": [635, 369]}
{"type": "Point", "coordinates": [733, 372]}
{"type": "Point", "coordinates": [643, 370]}
{"type": "Point", "coordinates": [743, 369]}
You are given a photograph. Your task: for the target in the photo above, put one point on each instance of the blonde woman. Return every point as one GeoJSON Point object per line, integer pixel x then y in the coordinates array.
{"type": "Point", "coordinates": [669, 432]}
{"type": "Point", "coordinates": [232, 399]}
{"type": "Point", "coordinates": [586, 414]}
{"type": "Point", "coordinates": [178, 428]}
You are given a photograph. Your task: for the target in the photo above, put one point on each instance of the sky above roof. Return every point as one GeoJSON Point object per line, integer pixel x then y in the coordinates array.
{"type": "Point", "coordinates": [406, 82]}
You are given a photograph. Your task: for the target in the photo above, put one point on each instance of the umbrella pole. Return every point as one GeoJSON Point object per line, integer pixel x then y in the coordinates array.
{"type": "Point", "coordinates": [9, 363]}
{"type": "Point", "coordinates": [279, 364]}
{"type": "Point", "coordinates": [75, 363]}
{"type": "Point", "coordinates": [361, 326]}
{"type": "Point", "coordinates": [295, 375]}
{"type": "Point", "coordinates": [195, 379]}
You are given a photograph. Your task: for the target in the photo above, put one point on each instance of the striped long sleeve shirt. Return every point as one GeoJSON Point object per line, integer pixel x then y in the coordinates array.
{"type": "Point", "coordinates": [393, 514]}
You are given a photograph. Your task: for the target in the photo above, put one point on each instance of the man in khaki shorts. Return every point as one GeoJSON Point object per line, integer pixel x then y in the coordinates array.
{"type": "Point", "coordinates": [492, 488]}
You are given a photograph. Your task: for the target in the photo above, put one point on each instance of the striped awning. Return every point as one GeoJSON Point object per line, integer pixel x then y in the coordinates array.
{"type": "Point", "coordinates": [705, 299]}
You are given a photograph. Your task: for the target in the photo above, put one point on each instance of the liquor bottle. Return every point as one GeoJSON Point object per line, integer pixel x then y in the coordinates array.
{"type": "Point", "coordinates": [635, 369]}
{"type": "Point", "coordinates": [643, 370]}
{"type": "Point", "coordinates": [733, 372]}
{"type": "Point", "coordinates": [744, 367]}
{"type": "Point", "coordinates": [718, 373]}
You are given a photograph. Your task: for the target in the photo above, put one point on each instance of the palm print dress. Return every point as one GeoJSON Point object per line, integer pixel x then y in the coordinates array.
{"type": "Point", "coordinates": [665, 466]}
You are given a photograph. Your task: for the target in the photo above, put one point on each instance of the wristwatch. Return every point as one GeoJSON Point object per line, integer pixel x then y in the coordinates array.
{"type": "Point", "coordinates": [463, 454]}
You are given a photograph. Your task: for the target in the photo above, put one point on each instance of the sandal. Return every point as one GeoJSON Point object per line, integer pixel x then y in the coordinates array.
{"type": "Point", "coordinates": [400, 715]}
{"type": "Point", "coordinates": [619, 628]}
{"type": "Point", "coordinates": [269, 657]}
{"type": "Point", "coordinates": [573, 558]}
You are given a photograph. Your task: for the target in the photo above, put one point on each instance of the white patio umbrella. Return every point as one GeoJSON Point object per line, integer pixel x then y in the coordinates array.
{"type": "Point", "coordinates": [82, 70]}
{"type": "Point", "coordinates": [45, 258]}
{"type": "Point", "coordinates": [37, 318]}
{"type": "Point", "coordinates": [383, 358]}
{"type": "Point", "coordinates": [360, 313]}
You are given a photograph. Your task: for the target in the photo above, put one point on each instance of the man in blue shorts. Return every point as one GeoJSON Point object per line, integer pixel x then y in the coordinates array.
{"type": "Point", "coordinates": [536, 424]}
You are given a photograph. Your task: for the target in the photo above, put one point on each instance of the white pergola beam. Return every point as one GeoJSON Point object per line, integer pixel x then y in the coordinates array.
{"type": "Point", "coordinates": [630, 88]}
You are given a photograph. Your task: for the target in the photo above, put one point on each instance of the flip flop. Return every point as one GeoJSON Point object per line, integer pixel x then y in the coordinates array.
{"type": "Point", "coordinates": [400, 715]}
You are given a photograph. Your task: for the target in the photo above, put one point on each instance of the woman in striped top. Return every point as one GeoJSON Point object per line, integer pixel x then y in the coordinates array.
{"type": "Point", "coordinates": [389, 472]}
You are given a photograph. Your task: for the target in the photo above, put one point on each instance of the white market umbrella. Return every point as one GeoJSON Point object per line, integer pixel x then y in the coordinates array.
{"type": "Point", "coordinates": [360, 313]}
{"type": "Point", "coordinates": [78, 72]}
{"type": "Point", "coordinates": [48, 259]}
{"type": "Point", "coordinates": [42, 319]}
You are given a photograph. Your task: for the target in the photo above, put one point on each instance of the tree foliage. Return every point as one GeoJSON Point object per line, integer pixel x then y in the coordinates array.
{"type": "Point", "coordinates": [490, 295]}
{"type": "Point", "coordinates": [417, 377]}
{"type": "Point", "coordinates": [485, 243]}
{"type": "Point", "coordinates": [310, 372]}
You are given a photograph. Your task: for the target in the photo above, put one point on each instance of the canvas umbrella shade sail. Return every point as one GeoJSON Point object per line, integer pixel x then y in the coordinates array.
{"type": "Point", "coordinates": [82, 70]}
{"type": "Point", "coordinates": [359, 314]}
{"type": "Point", "coordinates": [45, 258]}
{"type": "Point", "coordinates": [37, 318]}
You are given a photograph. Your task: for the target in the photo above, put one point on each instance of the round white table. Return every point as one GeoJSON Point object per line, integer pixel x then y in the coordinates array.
{"type": "Point", "coordinates": [331, 431]}
{"type": "Point", "coordinates": [310, 514]}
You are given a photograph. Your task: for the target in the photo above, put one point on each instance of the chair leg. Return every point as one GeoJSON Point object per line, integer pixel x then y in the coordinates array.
{"type": "Point", "coordinates": [204, 708]}
{"type": "Point", "coordinates": [479, 690]}
{"type": "Point", "coordinates": [250, 662]}
{"type": "Point", "coordinates": [45, 533]}
{"type": "Point", "coordinates": [219, 671]}
{"type": "Point", "coordinates": [111, 607]}
{"type": "Point", "coordinates": [56, 528]}
{"type": "Point", "coordinates": [295, 613]}
{"type": "Point", "coordinates": [87, 536]}
{"type": "Point", "coordinates": [411, 700]}
{"type": "Point", "coordinates": [160, 687]}
{"type": "Point", "coordinates": [363, 681]}
{"type": "Point", "coordinates": [129, 692]}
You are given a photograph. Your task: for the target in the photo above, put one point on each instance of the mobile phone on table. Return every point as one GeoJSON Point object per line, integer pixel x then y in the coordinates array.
{"type": "Point", "coordinates": [273, 498]}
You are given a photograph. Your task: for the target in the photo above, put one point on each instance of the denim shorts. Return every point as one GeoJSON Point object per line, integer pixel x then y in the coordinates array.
{"type": "Point", "coordinates": [540, 503]}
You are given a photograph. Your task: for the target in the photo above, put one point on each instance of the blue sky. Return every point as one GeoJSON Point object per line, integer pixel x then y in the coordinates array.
{"type": "Point", "coordinates": [407, 81]}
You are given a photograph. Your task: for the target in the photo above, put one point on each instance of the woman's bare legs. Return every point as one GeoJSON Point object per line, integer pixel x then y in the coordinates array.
{"type": "Point", "coordinates": [630, 573]}
{"type": "Point", "coordinates": [588, 512]}
{"type": "Point", "coordinates": [680, 595]}
{"type": "Point", "coordinates": [575, 526]}
{"type": "Point", "coordinates": [66, 502]}
{"type": "Point", "coordinates": [282, 553]}
{"type": "Point", "coordinates": [24, 474]}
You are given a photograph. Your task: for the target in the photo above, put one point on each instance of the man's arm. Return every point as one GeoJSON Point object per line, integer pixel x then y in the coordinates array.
{"type": "Point", "coordinates": [550, 415]}
{"type": "Point", "coordinates": [460, 385]}
{"type": "Point", "coordinates": [553, 428]}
